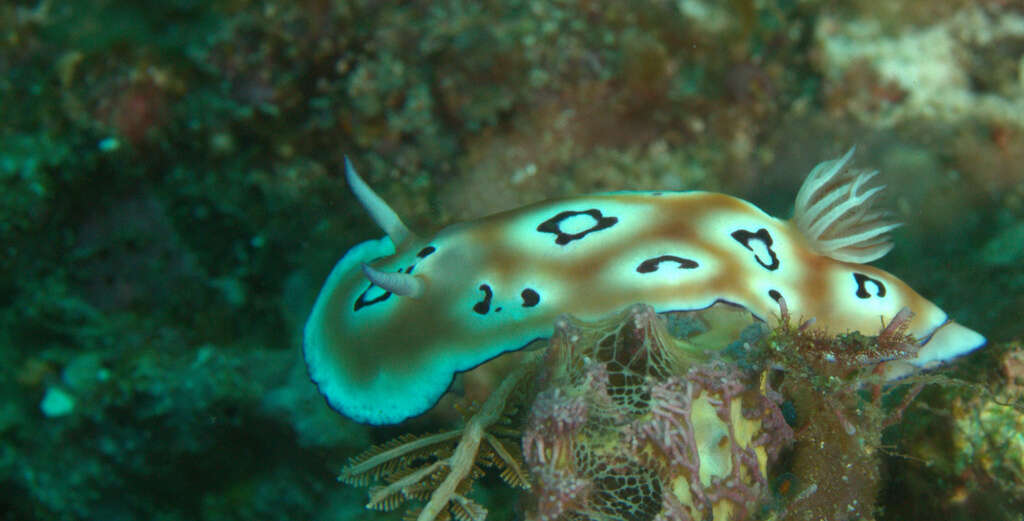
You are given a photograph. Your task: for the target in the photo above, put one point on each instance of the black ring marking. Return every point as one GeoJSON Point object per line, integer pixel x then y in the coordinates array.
{"type": "Point", "coordinates": [484, 305]}
{"type": "Point", "coordinates": [651, 265]}
{"type": "Point", "coordinates": [744, 237]}
{"type": "Point", "coordinates": [426, 251]}
{"type": "Point", "coordinates": [862, 290]}
{"type": "Point", "coordinates": [361, 302]}
{"type": "Point", "coordinates": [553, 225]}
{"type": "Point", "coordinates": [775, 295]}
{"type": "Point", "coordinates": [530, 298]}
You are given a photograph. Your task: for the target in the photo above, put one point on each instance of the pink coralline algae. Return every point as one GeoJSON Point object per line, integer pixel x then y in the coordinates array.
{"type": "Point", "coordinates": [630, 423]}
{"type": "Point", "coordinates": [617, 419]}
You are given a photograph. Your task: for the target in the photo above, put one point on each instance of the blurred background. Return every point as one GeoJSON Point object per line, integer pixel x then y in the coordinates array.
{"type": "Point", "coordinates": [173, 197]}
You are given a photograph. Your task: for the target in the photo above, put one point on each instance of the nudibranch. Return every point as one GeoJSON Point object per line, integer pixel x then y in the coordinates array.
{"type": "Point", "coordinates": [399, 316]}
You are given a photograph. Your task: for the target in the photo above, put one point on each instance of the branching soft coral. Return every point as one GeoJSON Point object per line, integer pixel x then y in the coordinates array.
{"type": "Point", "coordinates": [441, 468]}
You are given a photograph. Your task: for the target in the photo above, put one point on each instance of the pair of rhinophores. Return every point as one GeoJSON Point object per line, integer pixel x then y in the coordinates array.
{"type": "Point", "coordinates": [399, 316]}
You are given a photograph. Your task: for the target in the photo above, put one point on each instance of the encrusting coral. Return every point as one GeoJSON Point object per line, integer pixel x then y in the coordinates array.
{"type": "Point", "coordinates": [622, 419]}
{"type": "Point", "coordinates": [985, 425]}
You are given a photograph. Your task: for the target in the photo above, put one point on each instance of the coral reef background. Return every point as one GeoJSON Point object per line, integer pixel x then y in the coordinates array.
{"type": "Point", "coordinates": [172, 199]}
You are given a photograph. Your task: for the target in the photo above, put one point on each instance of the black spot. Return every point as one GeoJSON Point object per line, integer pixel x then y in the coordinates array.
{"type": "Point", "coordinates": [484, 305]}
{"type": "Point", "coordinates": [426, 251]}
{"type": "Point", "coordinates": [530, 298]}
{"type": "Point", "coordinates": [862, 290]}
{"type": "Point", "coordinates": [553, 225]}
{"type": "Point", "coordinates": [497, 309]}
{"type": "Point", "coordinates": [651, 265]}
{"type": "Point", "coordinates": [744, 237]}
{"type": "Point", "coordinates": [775, 295]}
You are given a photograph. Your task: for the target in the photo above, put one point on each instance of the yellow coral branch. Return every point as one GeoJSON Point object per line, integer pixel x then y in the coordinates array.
{"type": "Point", "coordinates": [397, 452]}
{"type": "Point", "coordinates": [510, 461]}
{"type": "Point", "coordinates": [460, 463]}
{"type": "Point", "coordinates": [382, 493]}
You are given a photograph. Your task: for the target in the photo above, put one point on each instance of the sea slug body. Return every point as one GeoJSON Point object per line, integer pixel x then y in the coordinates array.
{"type": "Point", "coordinates": [399, 316]}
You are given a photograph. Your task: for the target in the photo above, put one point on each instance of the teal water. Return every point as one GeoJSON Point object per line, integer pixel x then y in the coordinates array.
{"type": "Point", "coordinates": [173, 197]}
